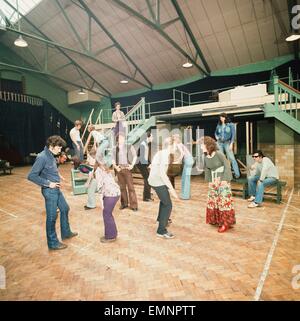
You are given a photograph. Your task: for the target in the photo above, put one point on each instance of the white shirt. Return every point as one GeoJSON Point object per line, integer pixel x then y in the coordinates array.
{"type": "Point", "coordinates": [268, 169]}
{"type": "Point", "coordinates": [159, 167]}
{"type": "Point", "coordinates": [75, 134]}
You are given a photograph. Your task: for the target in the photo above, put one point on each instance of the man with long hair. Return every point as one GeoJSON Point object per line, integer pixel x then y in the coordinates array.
{"type": "Point", "coordinates": [44, 173]}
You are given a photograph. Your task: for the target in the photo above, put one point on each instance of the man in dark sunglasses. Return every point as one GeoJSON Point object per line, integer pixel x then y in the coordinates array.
{"type": "Point", "coordinates": [265, 174]}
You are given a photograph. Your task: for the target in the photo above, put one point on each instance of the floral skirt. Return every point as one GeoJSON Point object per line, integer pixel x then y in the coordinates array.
{"type": "Point", "coordinates": [220, 204]}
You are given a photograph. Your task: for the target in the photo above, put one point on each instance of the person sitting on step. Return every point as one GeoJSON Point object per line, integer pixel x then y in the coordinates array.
{"type": "Point", "coordinates": [265, 174]}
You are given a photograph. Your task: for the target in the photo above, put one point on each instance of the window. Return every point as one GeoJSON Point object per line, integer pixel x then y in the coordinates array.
{"type": "Point", "coordinates": [6, 12]}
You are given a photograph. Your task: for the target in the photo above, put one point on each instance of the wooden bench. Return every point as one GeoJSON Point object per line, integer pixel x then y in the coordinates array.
{"type": "Point", "coordinates": [244, 182]}
{"type": "Point", "coordinates": [4, 167]}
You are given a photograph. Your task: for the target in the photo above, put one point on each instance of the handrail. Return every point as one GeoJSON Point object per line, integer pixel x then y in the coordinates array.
{"type": "Point", "coordinates": [99, 119]}
{"type": "Point", "coordinates": [289, 87]}
{"type": "Point", "coordinates": [135, 108]}
{"type": "Point", "coordinates": [88, 123]}
{"type": "Point", "coordinates": [136, 115]}
{"type": "Point", "coordinates": [21, 98]}
{"type": "Point", "coordinates": [281, 88]}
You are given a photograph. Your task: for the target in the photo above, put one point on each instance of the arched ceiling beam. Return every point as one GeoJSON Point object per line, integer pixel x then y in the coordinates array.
{"type": "Point", "coordinates": [111, 37]}
{"type": "Point", "coordinates": [190, 33]}
{"type": "Point", "coordinates": [160, 30]}
{"type": "Point", "coordinates": [60, 48]}
{"type": "Point", "coordinates": [48, 74]}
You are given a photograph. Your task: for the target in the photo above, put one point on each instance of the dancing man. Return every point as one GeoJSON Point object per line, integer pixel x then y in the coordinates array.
{"type": "Point", "coordinates": [44, 173]}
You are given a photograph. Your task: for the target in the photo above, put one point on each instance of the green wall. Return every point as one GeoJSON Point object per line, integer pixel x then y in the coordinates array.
{"type": "Point", "coordinates": [36, 85]}
{"type": "Point", "coordinates": [266, 131]}
{"type": "Point", "coordinates": [84, 109]}
{"type": "Point", "coordinates": [283, 134]}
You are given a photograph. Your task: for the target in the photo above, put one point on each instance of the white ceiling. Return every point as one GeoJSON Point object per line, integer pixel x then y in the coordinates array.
{"type": "Point", "coordinates": [230, 33]}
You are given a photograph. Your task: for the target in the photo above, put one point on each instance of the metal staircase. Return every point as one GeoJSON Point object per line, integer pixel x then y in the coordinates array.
{"type": "Point", "coordinates": [288, 110]}
{"type": "Point", "coordinates": [136, 124]}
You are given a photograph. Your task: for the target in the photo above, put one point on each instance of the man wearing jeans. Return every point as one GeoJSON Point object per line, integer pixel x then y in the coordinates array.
{"type": "Point", "coordinates": [266, 174]}
{"type": "Point", "coordinates": [44, 173]}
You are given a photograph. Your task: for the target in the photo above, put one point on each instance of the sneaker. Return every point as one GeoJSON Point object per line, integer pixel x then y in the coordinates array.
{"type": "Point", "coordinates": [60, 246]}
{"type": "Point", "coordinates": [167, 235]}
{"type": "Point", "coordinates": [72, 234]}
{"type": "Point", "coordinates": [105, 240]}
{"type": "Point", "coordinates": [253, 205]}
{"type": "Point", "coordinates": [88, 208]}
{"type": "Point", "coordinates": [251, 199]}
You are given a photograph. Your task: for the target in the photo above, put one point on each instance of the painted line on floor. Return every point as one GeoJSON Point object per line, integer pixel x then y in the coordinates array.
{"type": "Point", "coordinates": [271, 252]}
{"type": "Point", "coordinates": [8, 213]}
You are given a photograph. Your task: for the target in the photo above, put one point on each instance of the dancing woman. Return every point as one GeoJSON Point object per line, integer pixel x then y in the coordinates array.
{"type": "Point", "coordinates": [219, 210]}
{"type": "Point", "coordinates": [110, 192]}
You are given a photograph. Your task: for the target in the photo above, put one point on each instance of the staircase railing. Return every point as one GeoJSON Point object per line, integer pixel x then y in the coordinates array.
{"type": "Point", "coordinates": [136, 115]}
{"type": "Point", "coordinates": [99, 119]}
{"type": "Point", "coordinates": [289, 105]}
{"type": "Point", "coordinates": [89, 122]}
{"type": "Point", "coordinates": [16, 97]}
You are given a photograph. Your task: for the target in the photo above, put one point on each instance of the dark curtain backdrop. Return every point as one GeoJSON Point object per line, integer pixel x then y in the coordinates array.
{"type": "Point", "coordinates": [24, 129]}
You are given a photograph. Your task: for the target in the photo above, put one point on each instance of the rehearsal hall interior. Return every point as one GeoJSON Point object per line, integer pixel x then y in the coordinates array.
{"type": "Point", "coordinates": [149, 150]}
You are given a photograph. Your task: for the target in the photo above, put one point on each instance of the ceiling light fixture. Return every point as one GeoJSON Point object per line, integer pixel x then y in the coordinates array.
{"type": "Point", "coordinates": [124, 81]}
{"type": "Point", "coordinates": [20, 42]}
{"type": "Point", "coordinates": [81, 92]}
{"type": "Point", "coordinates": [187, 64]}
{"type": "Point", "coordinates": [293, 37]}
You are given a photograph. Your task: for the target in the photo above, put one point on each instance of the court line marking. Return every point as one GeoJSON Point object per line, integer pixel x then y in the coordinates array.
{"type": "Point", "coordinates": [8, 213]}
{"type": "Point", "coordinates": [271, 252]}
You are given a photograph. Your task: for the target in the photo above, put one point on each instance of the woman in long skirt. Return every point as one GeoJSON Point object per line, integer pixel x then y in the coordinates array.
{"type": "Point", "coordinates": [219, 210]}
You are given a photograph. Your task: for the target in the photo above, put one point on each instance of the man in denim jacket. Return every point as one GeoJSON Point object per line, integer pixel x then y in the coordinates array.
{"type": "Point", "coordinates": [44, 173]}
{"type": "Point", "coordinates": [225, 135]}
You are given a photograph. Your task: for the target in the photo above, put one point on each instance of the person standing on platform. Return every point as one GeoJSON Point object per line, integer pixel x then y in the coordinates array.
{"type": "Point", "coordinates": [44, 173]}
{"type": "Point", "coordinates": [143, 165]}
{"type": "Point", "coordinates": [188, 163]}
{"type": "Point", "coordinates": [225, 136]}
{"type": "Point", "coordinates": [219, 210]}
{"type": "Point", "coordinates": [118, 117]}
{"type": "Point", "coordinates": [160, 182]}
{"type": "Point", "coordinates": [123, 160]}
{"type": "Point", "coordinates": [76, 140]}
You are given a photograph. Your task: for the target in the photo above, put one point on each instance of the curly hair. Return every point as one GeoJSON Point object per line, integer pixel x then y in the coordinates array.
{"type": "Point", "coordinates": [55, 141]}
{"type": "Point", "coordinates": [210, 144]}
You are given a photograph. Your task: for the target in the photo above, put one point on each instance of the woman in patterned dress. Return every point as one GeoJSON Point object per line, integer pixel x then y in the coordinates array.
{"type": "Point", "coordinates": [219, 210]}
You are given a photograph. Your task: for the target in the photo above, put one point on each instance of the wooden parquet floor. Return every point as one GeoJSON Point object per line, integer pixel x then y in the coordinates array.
{"type": "Point", "coordinates": [198, 264]}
